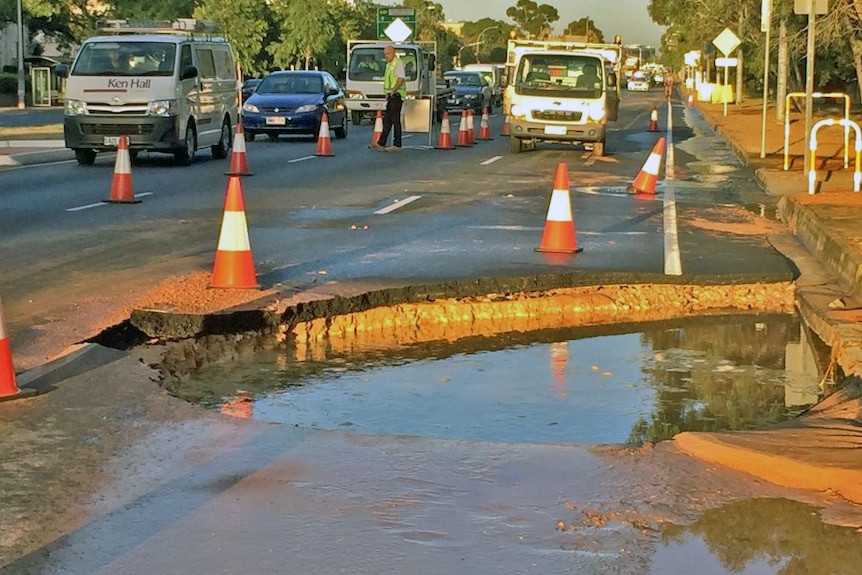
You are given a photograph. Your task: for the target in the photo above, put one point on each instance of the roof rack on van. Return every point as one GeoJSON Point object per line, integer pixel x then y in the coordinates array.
{"type": "Point", "coordinates": [184, 26]}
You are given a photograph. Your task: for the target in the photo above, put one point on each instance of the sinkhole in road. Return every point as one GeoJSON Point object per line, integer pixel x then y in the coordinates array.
{"type": "Point", "coordinates": [621, 384]}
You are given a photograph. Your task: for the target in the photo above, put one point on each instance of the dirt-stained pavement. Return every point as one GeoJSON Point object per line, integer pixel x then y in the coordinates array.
{"type": "Point", "coordinates": [107, 439]}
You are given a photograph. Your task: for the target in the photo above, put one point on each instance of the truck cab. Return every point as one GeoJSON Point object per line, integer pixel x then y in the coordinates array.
{"type": "Point", "coordinates": [562, 92]}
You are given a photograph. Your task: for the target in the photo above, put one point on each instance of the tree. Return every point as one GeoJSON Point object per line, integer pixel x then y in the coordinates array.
{"type": "Point", "coordinates": [585, 27]}
{"type": "Point", "coordinates": [305, 31]}
{"type": "Point", "coordinates": [534, 19]}
{"type": "Point", "coordinates": [245, 24]}
{"type": "Point", "coordinates": [154, 9]}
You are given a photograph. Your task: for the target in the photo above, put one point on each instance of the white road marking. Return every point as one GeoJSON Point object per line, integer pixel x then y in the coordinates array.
{"type": "Point", "coordinates": [669, 169]}
{"type": "Point", "coordinates": [396, 205]}
{"type": "Point", "coordinates": [302, 159]}
{"type": "Point", "coordinates": [100, 204]}
{"type": "Point", "coordinates": [672, 261]}
{"type": "Point", "coordinates": [491, 160]}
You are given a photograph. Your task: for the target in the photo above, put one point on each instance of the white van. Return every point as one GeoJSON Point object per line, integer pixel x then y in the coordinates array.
{"type": "Point", "coordinates": [494, 75]}
{"type": "Point", "coordinates": [167, 91]}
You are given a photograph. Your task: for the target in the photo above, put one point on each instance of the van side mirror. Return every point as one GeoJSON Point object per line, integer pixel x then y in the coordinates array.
{"type": "Point", "coordinates": [431, 63]}
{"type": "Point", "coordinates": [62, 70]}
{"type": "Point", "coordinates": [612, 80]}
{"type": "Point", "coordinates": [189, 72]}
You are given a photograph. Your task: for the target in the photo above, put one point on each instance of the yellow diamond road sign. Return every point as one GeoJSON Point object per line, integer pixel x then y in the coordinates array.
{"type": "Point", "coordinates": [727, 41]}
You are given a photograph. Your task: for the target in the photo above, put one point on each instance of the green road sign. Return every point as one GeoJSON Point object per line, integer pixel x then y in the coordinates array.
{"type": "Point", "coordinates": [394, 23]}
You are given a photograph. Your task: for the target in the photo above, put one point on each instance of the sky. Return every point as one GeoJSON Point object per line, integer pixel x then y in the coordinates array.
{"type": "Point", "coordinates": [626, 17]}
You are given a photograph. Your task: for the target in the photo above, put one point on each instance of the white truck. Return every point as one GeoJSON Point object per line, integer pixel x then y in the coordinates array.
{"type": "Point", "coordinates": [365, 66]}
{"type": "Point", "coordinates": [561, 91]}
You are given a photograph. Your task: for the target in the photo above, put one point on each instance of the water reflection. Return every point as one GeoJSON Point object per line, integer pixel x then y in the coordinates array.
{"type": "Point", "coordinates": [759, 537]}
{"type": "Point", "coordinates": [579, 385]}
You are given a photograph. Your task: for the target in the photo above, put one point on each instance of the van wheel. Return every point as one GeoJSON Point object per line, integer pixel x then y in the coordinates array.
{"type": "Point", "coordinates": [356, 118]}
{"type": "Point", "coordinates": [220, 150]}
{"type": "Point", "coordinates": [186, 155]}
{"type": "Point", "coordinates": [515, 145]}
{"type": "Point", "coordinates": [341, 131]}
{"type": "Point", "coordinates": [85, 156]}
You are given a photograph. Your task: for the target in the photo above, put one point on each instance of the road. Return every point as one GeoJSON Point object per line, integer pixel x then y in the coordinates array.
{"type": "Point", "coordinates": [72, 264]}
{"type": "Point", "coordinates": [130, 480]}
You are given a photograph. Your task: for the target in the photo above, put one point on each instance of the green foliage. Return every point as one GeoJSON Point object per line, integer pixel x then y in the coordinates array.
{"type": "Point", "coordinates": [306, 31]}
{"type": "Point", "coordinates": [246, 24]}
{"type": "Point", "coordinates": [533, 18]}
{"type": "Point", "coordinates": [585, 27]}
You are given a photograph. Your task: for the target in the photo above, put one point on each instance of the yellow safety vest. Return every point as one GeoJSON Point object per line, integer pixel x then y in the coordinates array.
{"type": "Point", "coordinates": [389, 78]}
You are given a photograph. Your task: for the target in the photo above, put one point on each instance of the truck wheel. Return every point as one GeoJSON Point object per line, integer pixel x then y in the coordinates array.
{"type": "Point", "coordinates": [599, 149]}
{"type": "Point", "coordinates": [356, 118]}
{"type": "Point", "coordinates": [515, 145]}
{"type": "Point", "coordinates": [85, 156]}
{"type": "Point", "coordinates": [186, 155]}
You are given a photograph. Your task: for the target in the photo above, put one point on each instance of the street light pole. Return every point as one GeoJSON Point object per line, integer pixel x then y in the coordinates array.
{"type": "Point", "coordinates": [21, 104]}
{"type": "Point", "coordinates": [479, 39]}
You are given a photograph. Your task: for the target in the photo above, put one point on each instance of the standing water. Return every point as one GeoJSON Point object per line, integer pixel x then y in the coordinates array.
{"type": "Point", "coordinates": [575, 386]}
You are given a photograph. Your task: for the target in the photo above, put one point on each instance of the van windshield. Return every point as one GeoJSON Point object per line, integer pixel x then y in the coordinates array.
{"type": "Point", "coordinates": [125, 59]}
{"type": "Point", "coordinates": [367, 63]}
{"type": "Point", "coordinates": [540, 74]}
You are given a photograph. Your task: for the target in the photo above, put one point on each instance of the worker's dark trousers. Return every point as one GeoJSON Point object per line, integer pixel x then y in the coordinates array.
{"type": "Point", "coordinates": [392, 121]}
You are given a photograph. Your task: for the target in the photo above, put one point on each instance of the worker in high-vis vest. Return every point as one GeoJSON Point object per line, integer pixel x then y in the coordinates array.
{"type": "Point", "coordinates": [394, 85]}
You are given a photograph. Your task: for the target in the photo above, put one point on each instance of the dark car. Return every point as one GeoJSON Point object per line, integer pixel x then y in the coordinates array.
{"type": "Point", "coordinates": [293, 102]}
{"type": "Point", "coordinates": [472, 91]}
{"type": "Point", "coordinates": [248, 87]}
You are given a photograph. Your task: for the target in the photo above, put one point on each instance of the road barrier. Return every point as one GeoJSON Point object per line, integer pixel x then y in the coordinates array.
{"type": "Point", "coordinates": [812, 150]}
{"type": "Point", "coordinates": [788, 100]}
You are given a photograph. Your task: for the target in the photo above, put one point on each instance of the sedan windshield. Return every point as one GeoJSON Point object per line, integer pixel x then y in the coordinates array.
{"type": "Point", "coordinates": [291, 84]}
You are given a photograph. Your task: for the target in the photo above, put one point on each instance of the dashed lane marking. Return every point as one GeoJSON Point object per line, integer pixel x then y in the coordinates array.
{"type": "Point", "coordinates": [491, 160]}
{"type": "Point", "coordinates": [302, 159]}
{"type": "Point", "coordinates": [99, 204]}
{"type": "Point", "coordinates": [397, 204]}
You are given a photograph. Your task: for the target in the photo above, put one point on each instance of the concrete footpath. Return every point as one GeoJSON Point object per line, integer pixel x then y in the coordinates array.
{"type": "Point", "coordinates": [816, 451]}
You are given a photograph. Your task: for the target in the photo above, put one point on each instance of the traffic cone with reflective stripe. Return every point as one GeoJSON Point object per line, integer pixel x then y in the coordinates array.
{"type": "Point", "coordinates": [463, 135]}
{"type": "Point", "coordinates": [653, 120]}
{"type": "Point", "coordinates": [505, 131]}
{"type": "Point", "coordinates": [471, 128]}
{"type": "Point", "coordinates": [8, 385]}
{"type": "Point", "coordinates": [691, 100]}
{"type": "Point", "coordinates": [122, 190]}
{"type": "Point", "coordinates": [485, 126]}
{"type": "Point", "coordinates": [378, 129]}
{"type": "Point", "coordinates": [559, 233]}
{"type": "Point", "coordinates": [444, 141]}
{"type": "Point", "coordinates": [324, 143]}
{"type": "Point", "coordinates": [646, 179]}
{"type": "Point", "coordinates": [234, 264]}
{"type": "Point", "coordinates": [238, 158]}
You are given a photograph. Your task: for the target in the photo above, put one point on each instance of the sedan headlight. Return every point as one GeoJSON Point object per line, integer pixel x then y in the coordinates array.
{"type": "Point", "coordinates": [162, 108]}
{"type": "Point", "coordinates": [75, 108]}
{"type": "Point", "coordinates": [251, 108]}
{"type": "Point", "coordinates": [306, 108]}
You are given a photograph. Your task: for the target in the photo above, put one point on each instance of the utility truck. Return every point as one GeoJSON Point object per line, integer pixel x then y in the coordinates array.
{"type": "Point", "coordinates": [561, 91]}
{"type": "Point", "coordinates": [365, 66]}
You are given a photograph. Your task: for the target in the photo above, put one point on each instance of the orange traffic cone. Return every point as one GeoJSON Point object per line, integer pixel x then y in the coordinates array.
{"type": "Point", "coordinates": [8, 385]}
{"type": "Point", "coordinates": [653, 120]}
{"type": "Point", "coordinates": [122, 190]}
{"type": "Point", "coordinates": [505, 131]}
{"type": "Point", "coordinates": [238, 158]}
{"type": "Point", "coordinates": [324, 143]}
{"type": "Point", "coordinates": [378, 129]}
{"type": "Point", "coordinates": [646, 179]}
{"type": "Point", "coordinates": [691, 100]}
{"type": "Point", "coordinates": [485, 126]}
{"type": "Point", "coordinates": [471, 128]}
{"type": "Point", "coordinates": [444, 141]}
{"type": "Point", "coordinates": [234, 264]}
{"type": "Point", "coordinates": [463, 134]}
{"type": "Point", "coordinates": [559, 234]}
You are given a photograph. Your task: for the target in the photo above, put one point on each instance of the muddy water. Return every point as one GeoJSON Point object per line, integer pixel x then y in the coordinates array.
{"type": "Point", "coordinates": [555, 386]}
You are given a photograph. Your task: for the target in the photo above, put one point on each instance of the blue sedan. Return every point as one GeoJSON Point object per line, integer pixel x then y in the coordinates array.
{"type": "Point", "coordinates": [293, 102]}
{"type": "Point", "coordinates": [472, 91]}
